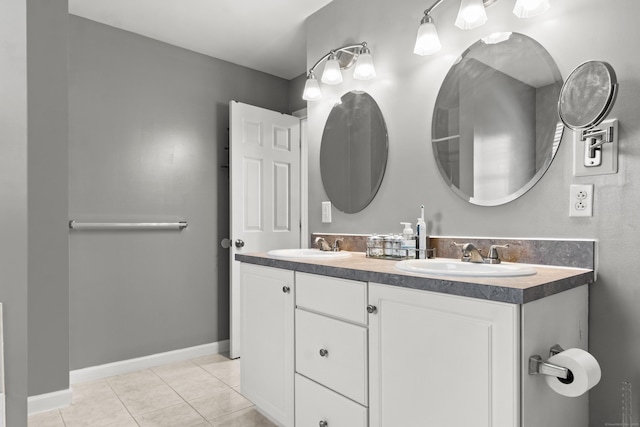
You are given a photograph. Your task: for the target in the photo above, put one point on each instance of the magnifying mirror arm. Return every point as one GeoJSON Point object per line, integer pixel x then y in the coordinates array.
{"type": "Point", "coordinates": [593, 134]}
{"type": "Point", "coordinates": [595, 138]}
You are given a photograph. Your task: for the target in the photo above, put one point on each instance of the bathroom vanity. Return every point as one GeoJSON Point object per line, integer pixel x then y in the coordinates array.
{"type": "Point", "coordinates": [355, 342]}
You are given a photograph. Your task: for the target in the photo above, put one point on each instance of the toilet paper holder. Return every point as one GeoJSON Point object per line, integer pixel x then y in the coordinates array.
{"type": "Point", "coordinates": [538, 366]}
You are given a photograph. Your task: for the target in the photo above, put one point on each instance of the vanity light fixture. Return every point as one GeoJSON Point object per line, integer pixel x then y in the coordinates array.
{"type": "Point", "coordinates": [470, 15]}
{"type": "Point", "coordinates": [337, 60]}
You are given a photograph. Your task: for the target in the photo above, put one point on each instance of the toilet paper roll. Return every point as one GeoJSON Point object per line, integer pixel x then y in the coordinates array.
{"type": "Point", "coordinates": [584, 369]}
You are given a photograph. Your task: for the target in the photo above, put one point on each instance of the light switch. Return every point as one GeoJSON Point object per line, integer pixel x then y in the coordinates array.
{"type": "Point", "coordinates": [326, 211]}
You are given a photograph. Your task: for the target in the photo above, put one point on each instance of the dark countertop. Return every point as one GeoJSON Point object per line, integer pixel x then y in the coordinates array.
{"type": "Point", "coordinates": [515, 290]}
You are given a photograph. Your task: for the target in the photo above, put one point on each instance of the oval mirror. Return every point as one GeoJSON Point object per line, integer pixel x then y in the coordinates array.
{"type": "Point", "coordinates": [353, 152]}
{"type": "Point", "coordinates": [587, 95]}
{"type": "Point", "coordinates": [495, 129]}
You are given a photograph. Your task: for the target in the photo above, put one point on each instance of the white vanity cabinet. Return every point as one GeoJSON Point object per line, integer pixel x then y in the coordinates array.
{"type": "Point", "coordinates": [267, 374]}
{"type": "Point", "coordinates": [353, 353]}
{"type": "Point", "coordinates": [438, 360]}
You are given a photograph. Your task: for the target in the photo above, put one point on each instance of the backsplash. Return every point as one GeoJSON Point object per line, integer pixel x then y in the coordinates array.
{"type": "Point", "coordinates": [565, 253]}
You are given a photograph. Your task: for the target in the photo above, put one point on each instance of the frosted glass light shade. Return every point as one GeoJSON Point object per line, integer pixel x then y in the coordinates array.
{"type": "Point", "coordinates": [332, 74]}
{"type": "Point", "coordinates": [530, 8]}
{"type": "Point", "coordinates": [427, 41]}
{"type": "Point", "coordinates": [312, 90]}
{"type": "Point", "coordinates": [471, 14]}
{"type": "Point", "coordinates": [364, 67]}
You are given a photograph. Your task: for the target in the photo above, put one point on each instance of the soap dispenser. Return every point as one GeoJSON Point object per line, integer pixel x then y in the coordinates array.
{"type": "Point", "coordinates": [408, 247]}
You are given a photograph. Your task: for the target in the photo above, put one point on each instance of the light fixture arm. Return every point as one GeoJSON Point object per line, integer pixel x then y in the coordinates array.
{"type": "Point", "coordinates": [432, 7]}
{"type": "Point", "coordinates": [346, 48]}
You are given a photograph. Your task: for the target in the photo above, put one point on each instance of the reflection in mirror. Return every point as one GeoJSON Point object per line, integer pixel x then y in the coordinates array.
{"type": "Point", "coordinates": [495, 129]}
{"type": "Point", "coordinates": [353, 152]}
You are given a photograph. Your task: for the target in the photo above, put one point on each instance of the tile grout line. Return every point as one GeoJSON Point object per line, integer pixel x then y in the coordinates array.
{"type": "Point", "coordinates": [120, 400]}
{"type": "Point", "coordinates": [182, 397]}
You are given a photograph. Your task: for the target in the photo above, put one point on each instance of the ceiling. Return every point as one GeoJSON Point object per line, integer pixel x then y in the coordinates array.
{"type": "Point", "coordinates": [266, 35]}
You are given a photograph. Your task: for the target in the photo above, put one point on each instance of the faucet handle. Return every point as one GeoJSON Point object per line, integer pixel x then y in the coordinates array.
{"type": "Point", "coordinates": [493, 257]}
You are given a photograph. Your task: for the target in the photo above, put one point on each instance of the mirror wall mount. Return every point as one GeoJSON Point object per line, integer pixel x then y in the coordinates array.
{"type": "Point", "coordinates": [586, 99]}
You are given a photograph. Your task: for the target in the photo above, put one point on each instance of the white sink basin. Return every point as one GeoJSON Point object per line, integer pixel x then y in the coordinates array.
{"type": "Point", "coordinates": [454, 267]}
{"type": "Point", "coordinates": [307, 254]}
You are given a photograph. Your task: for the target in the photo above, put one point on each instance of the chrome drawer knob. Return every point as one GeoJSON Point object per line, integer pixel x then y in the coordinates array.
{"type": "Point", "coordinates": [286, 289]}
{"type": "Point", "coordinates": [323, 423]}
{"type": "Point", "coordinates": [324, 352]}
{"type": "Point", "coordinates": [372, 309]}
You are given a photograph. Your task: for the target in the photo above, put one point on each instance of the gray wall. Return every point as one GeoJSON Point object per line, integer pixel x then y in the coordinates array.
{"type": "Point", "coordinates": [296, 86]}
{"type": "Point", "coordinates": [147, 131]}
{"type": "Point", "coordinates": [13, 204]}
{"type": "Point", "coordinates": [406, 88]}
{"type": "Point", "coordinates": [48, 197]}
{"type": "Point", "coordinates": [33, 200]}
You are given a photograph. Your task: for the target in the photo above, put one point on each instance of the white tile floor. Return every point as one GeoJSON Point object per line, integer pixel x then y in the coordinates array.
{"type": "Point", "coordinates": [201, 392]}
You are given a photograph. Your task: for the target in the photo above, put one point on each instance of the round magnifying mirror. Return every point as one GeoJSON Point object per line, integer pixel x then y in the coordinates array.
{"type": "Point", "coordinates": [353, 152]}
{"type": "Point", "coordinates": [587, 95]}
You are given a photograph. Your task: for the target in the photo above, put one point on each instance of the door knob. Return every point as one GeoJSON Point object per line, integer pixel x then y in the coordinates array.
{"type": "Point", "coordinates": [239, 243]}
{"type": "Point", "coordinates": [225, 243]}
{"type": "Point", "coordinates": [323, 423]}
{"type": "Point", "coordinates": [324, 352]}
{"type": "Point", "coordinates": [372, 309]}
{"type": "Point", "coordinates": [286, 289]}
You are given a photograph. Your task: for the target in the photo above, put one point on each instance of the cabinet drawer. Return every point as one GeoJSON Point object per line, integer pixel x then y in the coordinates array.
{"type": "Point", "coordinates": [346, 299]}
{"type": "Point", "coordinates": [344, 367]}
{"type": "Point", "coordinates": [315, 403]}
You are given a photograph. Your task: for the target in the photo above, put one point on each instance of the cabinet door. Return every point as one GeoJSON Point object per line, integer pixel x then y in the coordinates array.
{"type": "Point", "coordinates": [267, 373]}
{"type": "Point", "coordinates": [442, 360]}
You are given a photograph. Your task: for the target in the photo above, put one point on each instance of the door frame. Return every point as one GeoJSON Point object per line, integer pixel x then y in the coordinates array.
{"type": "Point", "coordinates": [305, 238]}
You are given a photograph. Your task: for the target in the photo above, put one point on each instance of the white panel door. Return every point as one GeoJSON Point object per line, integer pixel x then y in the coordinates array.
{"type": "Point", "coordinates": [441, 360]}
{"type": "Point", "coordinates": [264, 190]}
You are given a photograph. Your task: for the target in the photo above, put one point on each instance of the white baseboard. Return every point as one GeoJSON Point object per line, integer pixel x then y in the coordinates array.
{"type": "Point", "coordinates": [48, 401]}
{"type": "Point", "coordinates": [125, 366]}
{"type": "Point", "coordinates": [3, 417]}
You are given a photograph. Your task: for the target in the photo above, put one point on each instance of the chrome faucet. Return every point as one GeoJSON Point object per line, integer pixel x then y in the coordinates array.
{"type": "Point", "coordinates": [322, 244]}
{"type": "Point", "coordinates": [471, 254]}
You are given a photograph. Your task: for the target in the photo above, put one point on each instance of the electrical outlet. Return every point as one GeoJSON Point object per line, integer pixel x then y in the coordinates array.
{"type": "Point", "coordinates": [581, 200]}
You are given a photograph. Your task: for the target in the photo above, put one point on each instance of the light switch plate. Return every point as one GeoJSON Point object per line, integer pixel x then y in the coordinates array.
{"type": "Point", "coordinates": [326, 211]}
{"type": "Point", "coordinates": [608, 153]}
